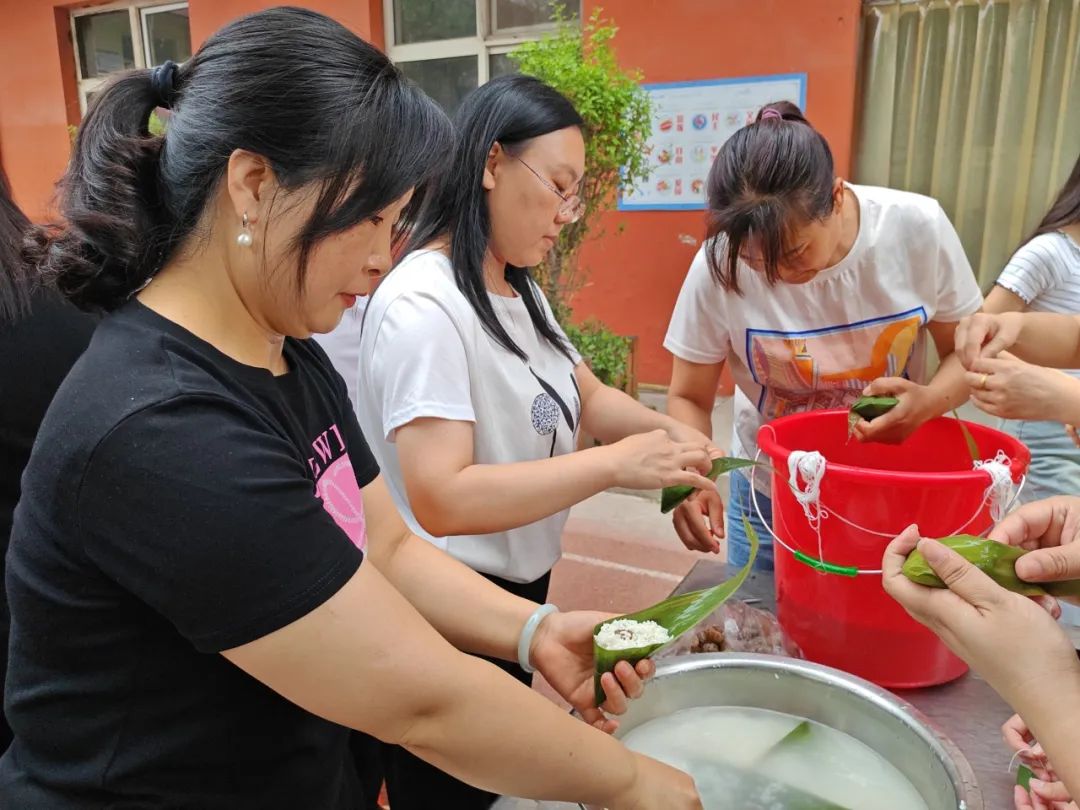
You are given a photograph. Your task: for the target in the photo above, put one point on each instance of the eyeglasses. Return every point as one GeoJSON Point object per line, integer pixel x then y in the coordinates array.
{"type": "Point", "coordinates": [572, 208]}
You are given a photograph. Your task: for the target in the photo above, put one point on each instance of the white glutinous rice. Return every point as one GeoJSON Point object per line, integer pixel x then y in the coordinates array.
{"type": "Point", "coordinates": [626, 634]}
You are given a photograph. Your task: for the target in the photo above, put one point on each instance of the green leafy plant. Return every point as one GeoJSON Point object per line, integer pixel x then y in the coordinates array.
{"type": "Point", "coordinates": [607, 353]}
{"type": "Point", "coordinates": [578, 60]}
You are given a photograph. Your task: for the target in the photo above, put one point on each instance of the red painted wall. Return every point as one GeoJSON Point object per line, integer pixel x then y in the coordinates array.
{"type": "Point", "coordinates": [636, 276]}
{"type": "Point", "coordinates": [37, 98]}
{"type": "Point", "coordinates": [362, 16]}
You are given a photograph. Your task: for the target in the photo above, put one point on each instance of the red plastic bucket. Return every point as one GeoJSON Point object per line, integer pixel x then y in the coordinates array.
{"type": "Point", "coordinates": [848, 621]}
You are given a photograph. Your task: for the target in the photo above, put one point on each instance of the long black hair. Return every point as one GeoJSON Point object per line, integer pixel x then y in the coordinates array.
{"type": "Point", "coordinates": [770, 175]}
{"type": "Point", "coordinates": [510, 111]}
{"type": "Point", "coordinates": [14, 280]}
{"type": "Point", "coordinates": [1066, 208]}
{"type": "Point", "coordinates": [318, 103]}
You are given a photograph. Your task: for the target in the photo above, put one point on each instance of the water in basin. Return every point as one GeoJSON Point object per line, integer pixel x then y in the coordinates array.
{"type": "Point", "coordinates": [756, 759]}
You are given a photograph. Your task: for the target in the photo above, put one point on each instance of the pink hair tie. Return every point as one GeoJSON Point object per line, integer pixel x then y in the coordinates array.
{"type": "Point", "coordinates": [768, 113]}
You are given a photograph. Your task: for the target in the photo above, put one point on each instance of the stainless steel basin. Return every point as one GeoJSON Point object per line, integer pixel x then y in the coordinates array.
{"type": "Point", "coordinates": [890, 726]}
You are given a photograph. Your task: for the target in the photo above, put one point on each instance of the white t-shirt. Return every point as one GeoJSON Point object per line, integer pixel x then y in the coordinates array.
{"type": "Point", "coordinates": [424, 353]}
{"type": "Point", "coordinates": [342, 346]}
{"type": "Point", "coordinates": [813, 346]}
{"type": "Point", "coordinates": [1045, 273]}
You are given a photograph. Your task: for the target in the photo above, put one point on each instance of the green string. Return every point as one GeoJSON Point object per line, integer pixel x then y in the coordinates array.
{"type": "Point", "coordinates": [825, 567]}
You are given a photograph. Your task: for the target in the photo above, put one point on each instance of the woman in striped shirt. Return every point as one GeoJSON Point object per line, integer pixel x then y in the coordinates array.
{"type": "Point", "coordinates": [1042, 276]}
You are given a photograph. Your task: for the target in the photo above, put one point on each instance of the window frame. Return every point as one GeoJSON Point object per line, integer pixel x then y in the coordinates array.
{"type": "Point", "coordinates": [486, 43]}
{"type": "Point", "coordinates": [137, 14]}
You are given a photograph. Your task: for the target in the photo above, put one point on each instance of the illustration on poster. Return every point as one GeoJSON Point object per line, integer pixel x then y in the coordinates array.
{"type": "Point", "coordinates": [691, 121]}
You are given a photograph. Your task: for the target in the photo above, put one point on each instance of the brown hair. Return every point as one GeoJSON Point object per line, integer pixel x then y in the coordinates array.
{"type": "Point", "coordinates": [770, 175]}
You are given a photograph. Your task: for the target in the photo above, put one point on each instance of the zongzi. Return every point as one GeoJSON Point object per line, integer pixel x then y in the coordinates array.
{"type": "Point", "coordinates": [996, 560]}
{"type": "Point", "coordinates": [869, 409]}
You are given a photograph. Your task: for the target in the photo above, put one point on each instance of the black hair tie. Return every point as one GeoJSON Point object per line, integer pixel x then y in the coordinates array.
{"type": "Point", "coordinates": [163, 81]}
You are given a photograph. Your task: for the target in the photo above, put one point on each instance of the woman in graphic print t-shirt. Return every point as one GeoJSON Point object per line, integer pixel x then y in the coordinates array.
{"type": "Point", "coordinates": [814, 291]}
{"type": "Point", "coordinates": [191, 626]}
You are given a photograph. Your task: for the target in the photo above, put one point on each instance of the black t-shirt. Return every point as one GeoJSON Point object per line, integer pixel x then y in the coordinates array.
{"type": "Point", "coordinates": [37, 350]}
{"type": "Point", "coordinates": [36, 353]}
{"type": "Point", "coordinates": [177, 504]}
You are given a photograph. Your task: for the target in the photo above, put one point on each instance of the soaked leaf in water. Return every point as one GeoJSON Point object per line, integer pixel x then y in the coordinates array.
{"type": "Point", "coordinates": [748, 790]}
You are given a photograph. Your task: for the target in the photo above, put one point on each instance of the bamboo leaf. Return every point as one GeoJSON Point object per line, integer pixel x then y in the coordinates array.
{"type": "Point", "coordinates": [972, 446]}
{"type": "Point", "coordinates": [797, 734]}
{"type": "Point", "coordinates": [677, 615]}
{"type": "Point", "coordinates": [996, 560]}
{"type": "Point", "coordinates": [759, 792]}
{"type": "Point", "coordinates": [1024, 777]}
{"type": "Point", "coordinates": [868, 408]}
{"type": "Point", "coordinates": [673, 496]}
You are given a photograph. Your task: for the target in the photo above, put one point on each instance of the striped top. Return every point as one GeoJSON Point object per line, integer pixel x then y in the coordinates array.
{"type": "Point", "coordinates": [1045, 273]}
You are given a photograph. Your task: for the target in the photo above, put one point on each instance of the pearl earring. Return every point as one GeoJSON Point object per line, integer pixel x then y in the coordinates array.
{"type": "Point", "coordinates": [243, 239]}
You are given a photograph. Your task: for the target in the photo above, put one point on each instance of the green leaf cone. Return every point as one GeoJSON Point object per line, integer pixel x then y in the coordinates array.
{"type": "Point", "coordinates": [677, 615]}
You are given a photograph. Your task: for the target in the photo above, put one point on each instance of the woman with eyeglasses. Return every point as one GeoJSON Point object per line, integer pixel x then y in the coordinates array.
{"type": "Point", "coordinates": [470, 394]}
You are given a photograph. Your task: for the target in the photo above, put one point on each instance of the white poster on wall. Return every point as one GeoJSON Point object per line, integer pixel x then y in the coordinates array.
{"type": "Point", "coordinates": [691, 121]}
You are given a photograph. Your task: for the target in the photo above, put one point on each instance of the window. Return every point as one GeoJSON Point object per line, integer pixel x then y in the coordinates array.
{"type": "Point", "coordinates": [449, 47]}
{"type": "Point", "coordinates": [124, 36]}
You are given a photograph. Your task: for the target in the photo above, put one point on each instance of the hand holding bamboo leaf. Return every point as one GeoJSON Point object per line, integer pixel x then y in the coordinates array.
{"type": "Point", "coordinates": [997, 560]}
{"type": "Point", "coordinates": [677, 615]}
{"type": "Point", "coordinates": [1048, 529]}
{"type": "Point", "coordinates": [978, 619]}
{"type": "Point", "coordinates": [892, 425]}
{"type": "Point", "coordinates": [652, 460]}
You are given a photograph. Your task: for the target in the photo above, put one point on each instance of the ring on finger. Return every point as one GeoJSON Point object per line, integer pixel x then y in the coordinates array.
{"type": "Point", "coordinates": [982, 381]}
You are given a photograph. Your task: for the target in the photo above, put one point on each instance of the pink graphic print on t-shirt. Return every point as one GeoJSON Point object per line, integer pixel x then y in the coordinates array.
{"type": "Point", "coordinates": [335, 484]}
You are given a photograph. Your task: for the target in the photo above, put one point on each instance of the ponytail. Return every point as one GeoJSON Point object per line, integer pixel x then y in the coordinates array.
{"type": "Point", "coordinates": [323, 108]}
{"type": "Point", "coordinates": [112, 241]}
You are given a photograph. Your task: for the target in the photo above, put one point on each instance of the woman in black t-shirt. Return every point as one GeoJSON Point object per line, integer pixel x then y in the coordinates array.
{"type": "Point", "coordinates": [209, 584]}
{"type": "Point", "coordinates": [41, 336]}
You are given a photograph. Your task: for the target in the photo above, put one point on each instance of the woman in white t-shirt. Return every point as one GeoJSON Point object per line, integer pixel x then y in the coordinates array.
{"type": "Point", "coordinates": [471, 396]}
{"type": "Point", "coordinates": [814, 291]}
{"type": "Point", "coordinates": [1042, 276]}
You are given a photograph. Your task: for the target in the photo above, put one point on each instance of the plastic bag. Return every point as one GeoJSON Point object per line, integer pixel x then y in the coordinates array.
{"type": "Point", "coordinates": [736, 627]}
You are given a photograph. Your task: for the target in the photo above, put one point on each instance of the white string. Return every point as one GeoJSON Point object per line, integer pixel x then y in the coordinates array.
{"type": "Point", "coordinates": [1001, 485]}
{"type": "Point", "coordinates": [809, 468]}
